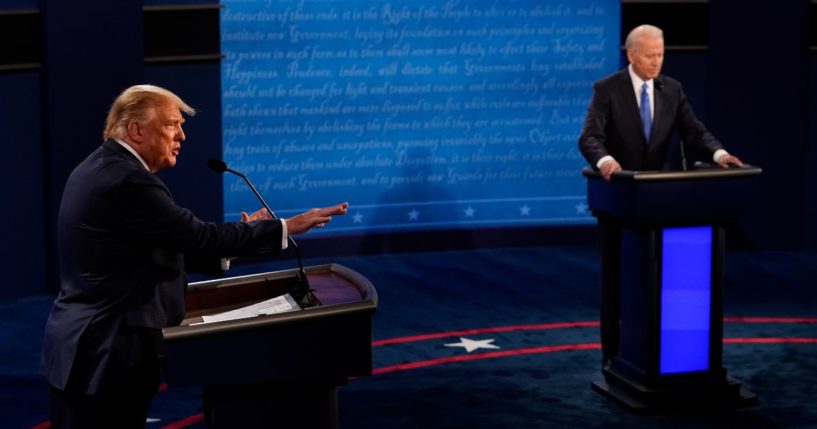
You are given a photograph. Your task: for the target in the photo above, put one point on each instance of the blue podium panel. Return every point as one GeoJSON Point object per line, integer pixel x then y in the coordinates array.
{"type": "Point", "coordinates": [686, 299]}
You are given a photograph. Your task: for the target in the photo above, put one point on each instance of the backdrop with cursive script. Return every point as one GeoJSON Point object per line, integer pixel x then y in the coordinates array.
{"type": "Point", "coordinates": [421, 114]}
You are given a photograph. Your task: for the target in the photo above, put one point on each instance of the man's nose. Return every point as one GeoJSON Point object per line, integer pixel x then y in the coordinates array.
{"type": "Point", "coordinates": [180, 135]}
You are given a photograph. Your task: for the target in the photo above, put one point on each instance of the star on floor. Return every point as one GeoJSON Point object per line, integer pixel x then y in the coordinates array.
{"type": "Point", "coordinates": [413, 214]}
{"type": "Point", "coordinates": [470, 345]}
{"type": "Point", "coordinates": [469, 212]}
{"type": "Point", "coordinates": [524, 210]}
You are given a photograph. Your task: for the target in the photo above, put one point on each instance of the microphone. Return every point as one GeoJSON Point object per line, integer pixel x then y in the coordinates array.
{"type": "Point", "coordinates": [217, 165]}
{"type": "Point", "coordinates": [301, 293]}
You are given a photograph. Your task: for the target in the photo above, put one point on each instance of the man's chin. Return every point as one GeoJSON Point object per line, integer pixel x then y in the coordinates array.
{"type": "Point", "coordinates": [169, 163]}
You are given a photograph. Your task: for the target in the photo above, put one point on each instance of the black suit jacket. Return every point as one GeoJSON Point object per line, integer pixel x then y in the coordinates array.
{"type": "Point", "coordinates": [613, 124]}
{"type": "Point", "coordinates": [122, 244]}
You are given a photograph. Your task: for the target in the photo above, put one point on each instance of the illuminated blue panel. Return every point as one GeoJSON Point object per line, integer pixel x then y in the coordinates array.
{"type": "Point", "coordinates": [686, 292]}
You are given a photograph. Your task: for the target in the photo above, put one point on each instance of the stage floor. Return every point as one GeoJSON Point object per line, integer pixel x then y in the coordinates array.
{"type": "Point", "coordinates": [502, 338]}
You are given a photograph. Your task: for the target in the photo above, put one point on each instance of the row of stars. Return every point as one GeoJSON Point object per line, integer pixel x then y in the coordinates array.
{"type": "Point", "coordinates": [470, 212]}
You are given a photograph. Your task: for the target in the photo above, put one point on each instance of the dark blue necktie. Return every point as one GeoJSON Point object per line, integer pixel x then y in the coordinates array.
{"type": "Point", "coordinates": [645, 112]}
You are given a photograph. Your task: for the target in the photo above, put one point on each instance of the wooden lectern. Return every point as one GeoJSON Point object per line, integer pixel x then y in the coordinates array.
{"type": "Point", "coordinates": [280, 370]}
{"type": "Point", "coordinates": [666, 260]}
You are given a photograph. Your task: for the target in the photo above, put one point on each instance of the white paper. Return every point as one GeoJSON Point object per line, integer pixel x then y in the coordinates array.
{"type": "Point", "coordinates": [275, 305]}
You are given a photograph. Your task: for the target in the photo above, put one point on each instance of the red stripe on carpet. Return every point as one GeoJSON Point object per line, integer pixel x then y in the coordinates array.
{"type": "Point", "coordinates": [540, 326]}
{"type": "Point", "coordinates": [770, 319]}
{"type": "Point", "coordinates": [480, 356]}
{"type": "Point", "coordinates": [185, 422]}
{"type": "Point", "coordinates": [560, 348]}
{"type": "Point", "coordinates": [771, 340]}
{"type": "Point", "coordinates": [563, 325]}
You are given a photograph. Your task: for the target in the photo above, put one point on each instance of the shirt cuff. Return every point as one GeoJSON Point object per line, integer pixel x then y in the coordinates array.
{"type": "Point", "coordinates": [603, 159]}
{"type": "Point", "coordinates": [718, 154]}
{"type": "Point", "coordinates": [225, 264]}
{"type": "Point", "coordinates": [284, 234]}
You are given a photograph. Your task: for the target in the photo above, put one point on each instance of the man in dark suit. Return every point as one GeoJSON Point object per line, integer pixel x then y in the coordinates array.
{"type": "Point", "coordinates": [621, 132]}
{"type": "Point", "coordinates": [124, 247]}
{"type": "Point", "coordinates": [629, 125]}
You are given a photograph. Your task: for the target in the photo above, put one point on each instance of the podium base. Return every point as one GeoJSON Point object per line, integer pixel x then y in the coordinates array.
{"type": "Point", "coordinates": [640, 399]}
{"type": "Point", "coordinates": [301, 405]}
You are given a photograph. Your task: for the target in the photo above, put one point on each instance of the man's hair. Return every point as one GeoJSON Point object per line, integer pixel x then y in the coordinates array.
{"type": "Point", "coordinates": [644, 30]}
{"type": "Point", "coordinates": [136, 103]}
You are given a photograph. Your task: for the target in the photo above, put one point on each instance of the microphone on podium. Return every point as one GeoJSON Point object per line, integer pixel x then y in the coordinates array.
{"type": "Point", "coordinates": [301, 292]}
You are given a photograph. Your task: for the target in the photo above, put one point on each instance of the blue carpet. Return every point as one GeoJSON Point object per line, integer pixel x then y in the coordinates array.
{"type": "Point", "coordinates": [531, 375]}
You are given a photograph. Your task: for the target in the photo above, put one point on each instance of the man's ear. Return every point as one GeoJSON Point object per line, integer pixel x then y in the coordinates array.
{"type": "Point", "coordinates": [134, 131]}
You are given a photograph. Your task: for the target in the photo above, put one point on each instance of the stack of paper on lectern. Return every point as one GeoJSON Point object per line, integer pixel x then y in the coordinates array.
{"type": "Point", "coordinates": [275, 305]}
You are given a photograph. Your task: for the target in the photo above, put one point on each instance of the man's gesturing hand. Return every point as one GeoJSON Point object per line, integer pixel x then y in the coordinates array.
{"type": "Point", "coordinates": [314, 218]}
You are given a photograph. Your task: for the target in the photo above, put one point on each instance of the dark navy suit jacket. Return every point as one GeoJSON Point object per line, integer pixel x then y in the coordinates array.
{"type": "Point", "coordinates": [613, 124]}
{"type": "Point", "coordinates": [122, 245]}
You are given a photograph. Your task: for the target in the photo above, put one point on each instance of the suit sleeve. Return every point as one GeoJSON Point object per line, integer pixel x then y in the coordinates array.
{"type": "Point", "coordinates": [692, 130]}
{"type": "Point", "coordinates": [593, 138]}
{"type": "Point", "coordinates": [149, 214]}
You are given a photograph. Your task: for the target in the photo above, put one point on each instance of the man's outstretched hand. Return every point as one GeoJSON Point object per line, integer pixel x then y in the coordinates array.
{"type": "Point", "coordinates": [315, 218]}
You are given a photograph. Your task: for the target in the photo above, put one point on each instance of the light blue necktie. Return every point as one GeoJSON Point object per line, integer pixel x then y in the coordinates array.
{"type": "Point", "coordinates": [645, 111]}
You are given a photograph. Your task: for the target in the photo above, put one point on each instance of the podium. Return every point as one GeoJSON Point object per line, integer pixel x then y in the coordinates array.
{"type": "Point", "coordinates": [663, 240]}
{"type": "Point", "coordinates": [280, 370]}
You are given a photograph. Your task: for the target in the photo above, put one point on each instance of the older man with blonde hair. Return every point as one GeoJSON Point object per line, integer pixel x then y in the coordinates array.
{"type": "Point", "coordinates": [124, 247]}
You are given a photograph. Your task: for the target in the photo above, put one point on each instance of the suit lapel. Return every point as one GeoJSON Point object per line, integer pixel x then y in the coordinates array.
{"type": "Point", "coordinates": [659, 116]}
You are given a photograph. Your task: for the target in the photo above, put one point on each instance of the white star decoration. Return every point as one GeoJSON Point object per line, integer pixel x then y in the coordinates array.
{"type": "Point", "coordinates": [469, 212]}
{"type": "Point", "coordinates": [357, 218]}
{"type": "Point", "coordinates": [470, 345]}
{"type": "Point", "coordinates": [524, 210]}
{"type": "Point", "coordinates": [413, 214]}
{"type": "Point", "coordinates": [581, 208]}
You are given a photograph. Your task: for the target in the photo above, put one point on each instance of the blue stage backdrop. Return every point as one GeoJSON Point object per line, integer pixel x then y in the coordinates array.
{"type": "Point", "coordinates": [421, 114]}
